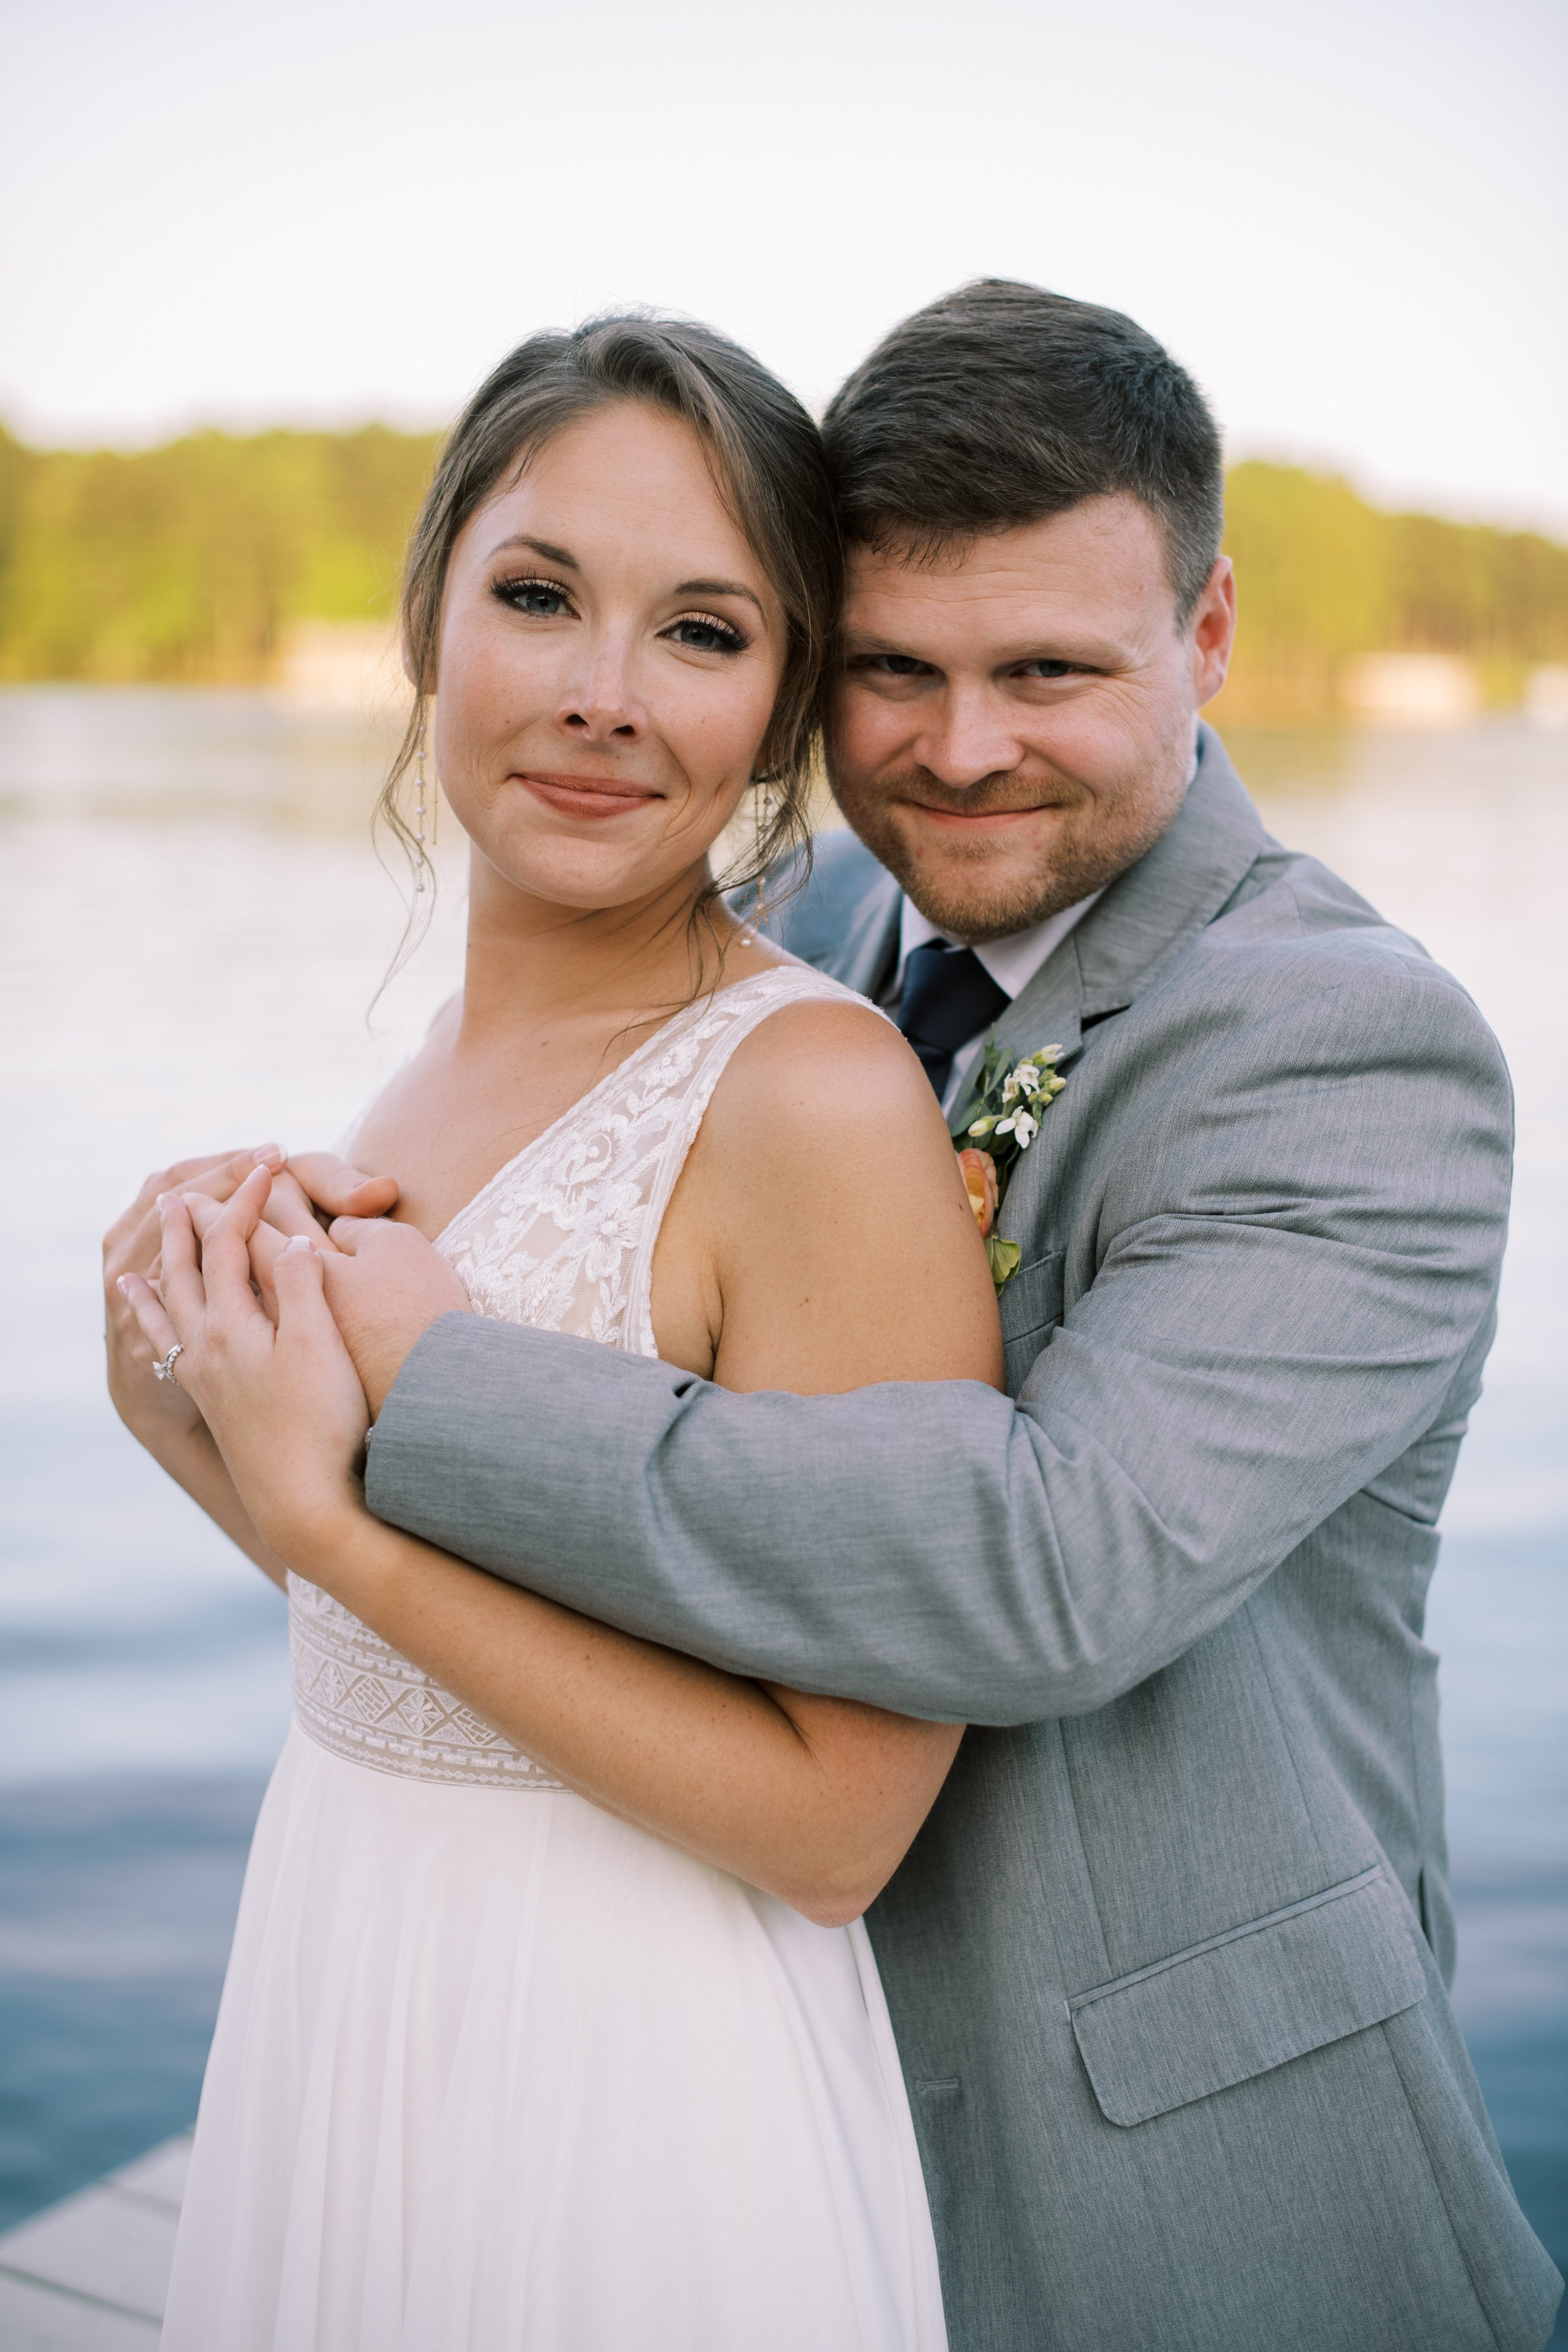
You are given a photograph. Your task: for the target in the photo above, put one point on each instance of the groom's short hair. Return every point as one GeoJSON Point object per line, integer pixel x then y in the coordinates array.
{"type": "Point", "coordinates": [1002, 403]}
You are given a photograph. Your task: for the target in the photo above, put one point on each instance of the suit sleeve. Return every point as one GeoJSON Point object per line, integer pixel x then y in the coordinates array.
{"type": "Point", "coordinates": [1292, 1260]}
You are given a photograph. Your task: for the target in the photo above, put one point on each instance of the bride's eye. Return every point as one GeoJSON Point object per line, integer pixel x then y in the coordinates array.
{"type": "Point", "coordinates": [706, 633]}
{"type": "Point", "coordinates": [546, 599]}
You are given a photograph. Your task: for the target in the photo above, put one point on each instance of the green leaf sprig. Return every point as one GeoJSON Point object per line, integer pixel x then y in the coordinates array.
{"type": "Point", "coordinates": [1001, 1120]}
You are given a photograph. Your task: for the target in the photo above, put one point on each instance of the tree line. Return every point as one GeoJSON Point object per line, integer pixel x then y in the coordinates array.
{"type": "Point", "coordinates": [189, 563]}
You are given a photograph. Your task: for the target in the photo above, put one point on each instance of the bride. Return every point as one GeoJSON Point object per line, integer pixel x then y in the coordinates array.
{"type": "Point", "coordinates": [552, 2024]}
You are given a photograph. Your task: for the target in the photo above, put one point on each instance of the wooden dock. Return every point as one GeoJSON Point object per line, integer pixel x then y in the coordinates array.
{"type": "Point", "coordinates": [90, 2273]}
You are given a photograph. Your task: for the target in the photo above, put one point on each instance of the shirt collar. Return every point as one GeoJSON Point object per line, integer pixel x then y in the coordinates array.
{"type": "Point", "coordinates": [1011, 963]}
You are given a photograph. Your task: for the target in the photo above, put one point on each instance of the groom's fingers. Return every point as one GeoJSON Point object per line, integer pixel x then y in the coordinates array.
{"type": "Point", "coordinates": [202, 1212]}
{"type": "Point", "coordinates": [339, 1190]}
{"type": "Point", "coordinates": [266, 1246]}
{"type": "Point", "coordinates": [349, 1235]}
{"type": "Point", "coordinates": [289, 1207]}
{"type": "Point", "coordinates": [298, 1276]}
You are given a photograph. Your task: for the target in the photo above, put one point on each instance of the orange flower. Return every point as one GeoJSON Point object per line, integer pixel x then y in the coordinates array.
{"type": "Point", "coordinates": [979, 1172]}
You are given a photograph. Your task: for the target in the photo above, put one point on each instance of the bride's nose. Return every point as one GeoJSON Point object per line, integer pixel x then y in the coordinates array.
{"type": "Point", "coordinates": [601, 704]}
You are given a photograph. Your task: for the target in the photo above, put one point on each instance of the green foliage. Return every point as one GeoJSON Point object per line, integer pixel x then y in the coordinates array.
{"type": "Point", "coordinates": [190, 561]}
{"type": "Point", "coordinates": [1321, 575]}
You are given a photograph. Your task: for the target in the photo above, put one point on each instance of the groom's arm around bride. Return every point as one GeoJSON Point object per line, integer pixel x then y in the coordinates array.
{"type": "Point", "coordinates": [1168, 1962]}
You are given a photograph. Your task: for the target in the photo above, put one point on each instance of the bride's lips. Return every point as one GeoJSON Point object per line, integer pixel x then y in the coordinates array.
{"type": "Point", "coordinates": [590, 796]}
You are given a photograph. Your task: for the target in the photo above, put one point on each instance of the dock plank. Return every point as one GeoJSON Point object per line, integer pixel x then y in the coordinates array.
{"type": "Point", "coordinates": [42, 2319]}
{"type": "Point", "coordinates": [92, 2273]}
{"type": "Point", "coordinates": [161, 2174]}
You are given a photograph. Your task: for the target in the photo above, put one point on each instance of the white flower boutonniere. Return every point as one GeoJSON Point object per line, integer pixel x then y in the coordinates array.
{"type": "Point", "coordinates": [1001, 1120]}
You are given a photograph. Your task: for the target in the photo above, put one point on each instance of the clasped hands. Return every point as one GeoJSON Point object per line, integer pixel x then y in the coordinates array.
{"type": "Point", "coordinates": [290, 1332]}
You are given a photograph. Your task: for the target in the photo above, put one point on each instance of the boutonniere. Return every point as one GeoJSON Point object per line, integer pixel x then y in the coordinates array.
{"type": "Point", "coordinates": [1003, 1119]}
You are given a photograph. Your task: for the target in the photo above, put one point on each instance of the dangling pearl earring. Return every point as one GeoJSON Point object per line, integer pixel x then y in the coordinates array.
{"type": "Point", "coordinates": [421, 861]}
{"type": "Point", "coordinates": [759, 914]}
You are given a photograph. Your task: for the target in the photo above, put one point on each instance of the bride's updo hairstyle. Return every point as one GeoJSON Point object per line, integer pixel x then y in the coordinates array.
{"type": "Point", "coordinates": [768, 466]}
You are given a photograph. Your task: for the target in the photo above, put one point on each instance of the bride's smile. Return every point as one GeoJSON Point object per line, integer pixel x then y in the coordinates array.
{"type": "Point", "coordinates": [595, 797]}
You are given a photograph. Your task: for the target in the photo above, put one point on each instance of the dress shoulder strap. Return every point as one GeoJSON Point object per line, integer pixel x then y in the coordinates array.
{"type": "Point", "coordinates": [726, 1023]}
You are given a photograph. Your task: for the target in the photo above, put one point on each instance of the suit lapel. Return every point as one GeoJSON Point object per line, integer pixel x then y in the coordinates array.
{"type": "Point", "coordinates": [1146, 915]}
{"type": "Point", "coordinates": [1145, 918]}
{"type": "Point", "coordinates": [868, 958]}
{"type": "Point", "coordinates": [1180, 886]}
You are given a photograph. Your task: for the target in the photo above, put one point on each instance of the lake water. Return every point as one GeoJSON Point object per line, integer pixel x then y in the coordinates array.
{"type": "Point", "coordinates": [192, 926]}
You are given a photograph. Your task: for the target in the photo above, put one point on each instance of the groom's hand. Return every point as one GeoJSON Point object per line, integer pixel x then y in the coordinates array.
{"type": "Point", "coordinates": [318, 1185]}
{"type": "Point", "coordinates": [385, 1285]}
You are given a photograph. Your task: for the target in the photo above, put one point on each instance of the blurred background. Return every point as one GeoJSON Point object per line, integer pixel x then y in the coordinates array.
{"type": "Point", "coordinates": [251, 261]}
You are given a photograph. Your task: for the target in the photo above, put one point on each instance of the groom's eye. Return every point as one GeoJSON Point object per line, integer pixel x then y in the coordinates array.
{"type": "Point", "coordinates": [1043, 669]}
{"type": "Point", "coordinates": [893, 665]}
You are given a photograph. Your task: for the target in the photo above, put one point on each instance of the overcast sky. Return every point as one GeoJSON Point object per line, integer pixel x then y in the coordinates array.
{"type": "Point", "coordinates": [1349, 217]}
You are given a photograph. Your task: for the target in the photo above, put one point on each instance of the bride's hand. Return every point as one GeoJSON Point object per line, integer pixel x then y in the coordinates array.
{"type": "Point", "coordinates": [305, 1189]}
{"type": "Point", "coordinates": [156, 1411]}
{"type": "Point", "coordinates": [283, 1402]}
{"type": "Point", "coordinates": [385, 1284]}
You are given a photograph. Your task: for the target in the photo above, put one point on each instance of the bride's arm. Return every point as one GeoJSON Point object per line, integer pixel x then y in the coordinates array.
{"type": "Point", "coordinates": [816, 1799]}
{"type": "Point", "coordinates": [822, 1229]}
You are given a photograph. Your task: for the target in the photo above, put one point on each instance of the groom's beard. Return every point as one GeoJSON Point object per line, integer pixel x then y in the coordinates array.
{"type": "Point", "coordinates": [983, 886]}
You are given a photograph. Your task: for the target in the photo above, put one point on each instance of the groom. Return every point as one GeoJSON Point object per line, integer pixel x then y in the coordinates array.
{"type": "Point", "coordinates": [1167, 1963]}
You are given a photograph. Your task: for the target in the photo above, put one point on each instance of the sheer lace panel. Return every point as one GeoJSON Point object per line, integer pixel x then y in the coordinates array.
{"type": "Point", "coordinates": [562, 1237]}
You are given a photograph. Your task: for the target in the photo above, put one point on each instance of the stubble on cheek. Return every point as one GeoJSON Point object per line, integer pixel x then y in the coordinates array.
{"type": "Point", "coordinates": [985, 886]}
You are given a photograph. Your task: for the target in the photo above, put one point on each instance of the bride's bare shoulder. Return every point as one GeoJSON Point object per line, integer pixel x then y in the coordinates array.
{"type": "Point", "coordinates": [823, 1086]}
{"type": "Point", "coordinates": [825, 1224]}
{"type": "Point", "coordinates": [828, 1063]}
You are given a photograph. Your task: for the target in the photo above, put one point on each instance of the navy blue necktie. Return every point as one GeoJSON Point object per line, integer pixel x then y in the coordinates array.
{"type": "Point", "coordinates": [948, 998]}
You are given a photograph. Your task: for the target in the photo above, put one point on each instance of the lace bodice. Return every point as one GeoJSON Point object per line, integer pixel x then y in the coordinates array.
{"type": "Point", "coordinates": [562, 1237]}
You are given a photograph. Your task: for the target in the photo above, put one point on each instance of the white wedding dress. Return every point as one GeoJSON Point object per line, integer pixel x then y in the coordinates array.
{"type": "Point", "coordinates": [494, 2071]}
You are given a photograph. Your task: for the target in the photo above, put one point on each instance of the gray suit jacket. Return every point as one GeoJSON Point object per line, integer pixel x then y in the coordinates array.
{"type": "Point", "coordinates": [1167, 1963]}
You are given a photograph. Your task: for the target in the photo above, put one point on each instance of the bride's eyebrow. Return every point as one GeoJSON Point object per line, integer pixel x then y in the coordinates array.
{"type": "Point", "coordinates": [538, 546]}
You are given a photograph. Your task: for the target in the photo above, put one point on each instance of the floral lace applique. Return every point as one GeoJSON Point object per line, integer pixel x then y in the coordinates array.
{"type": "Point", "coordinates": [562, 1238]}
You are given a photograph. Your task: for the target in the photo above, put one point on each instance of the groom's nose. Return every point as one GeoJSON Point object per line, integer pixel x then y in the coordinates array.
{"type": "Point", "coordinates": [968, 735]}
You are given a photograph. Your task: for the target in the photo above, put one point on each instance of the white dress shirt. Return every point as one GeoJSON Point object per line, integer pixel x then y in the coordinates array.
{"type": "Point", "coordinates": [1012, 963]}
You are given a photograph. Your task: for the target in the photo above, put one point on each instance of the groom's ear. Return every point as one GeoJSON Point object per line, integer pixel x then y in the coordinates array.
{"type": "Point", "coordinates": [1212, 630]}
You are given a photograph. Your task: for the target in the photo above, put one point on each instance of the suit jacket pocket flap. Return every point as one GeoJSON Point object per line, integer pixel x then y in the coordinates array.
{"type": "Point", "coordinates": [1031, 1305]}
{"type": "Point", "coordinates": [1247, 2000]}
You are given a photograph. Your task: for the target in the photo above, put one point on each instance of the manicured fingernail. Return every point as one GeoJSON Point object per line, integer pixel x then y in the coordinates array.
{"type": "Point", "coordinates": [123, 1288]}
{"type": "Point", "coordinates": [295, 1243]}
{"type": "Point", "coordinates": [272, 1155]}
{"type": "Point", "coordinates": [158, 1204]}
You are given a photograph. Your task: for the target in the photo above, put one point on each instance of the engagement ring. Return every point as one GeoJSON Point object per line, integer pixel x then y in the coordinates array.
{"type": "Point", "coordinates": [164, 1369]}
